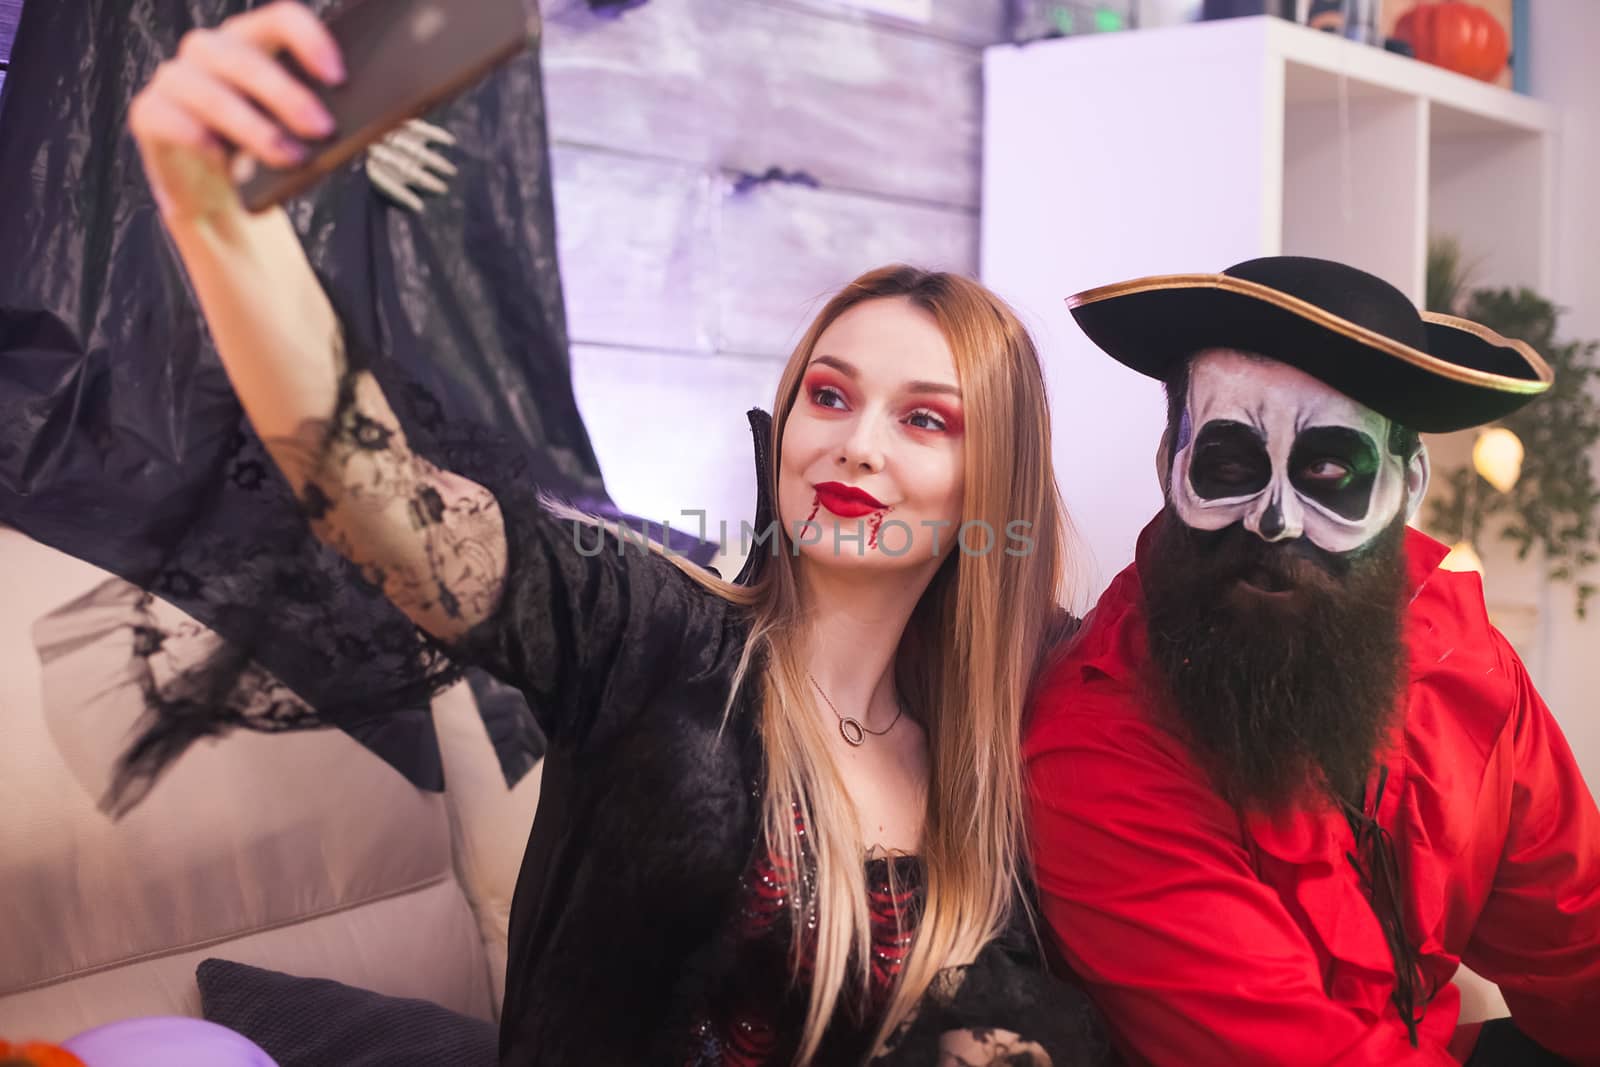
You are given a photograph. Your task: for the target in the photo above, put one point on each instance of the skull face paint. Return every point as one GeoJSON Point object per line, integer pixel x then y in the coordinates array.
{"type": "Point", "coordinates": [1268, 446]}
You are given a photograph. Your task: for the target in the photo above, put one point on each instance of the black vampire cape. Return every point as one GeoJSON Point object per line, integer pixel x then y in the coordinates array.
{"type": "Point", "coordinates": [121, 441]}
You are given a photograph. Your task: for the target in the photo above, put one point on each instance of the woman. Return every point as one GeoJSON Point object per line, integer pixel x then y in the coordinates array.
{"type": "Point", "coordinates": [780, 821]}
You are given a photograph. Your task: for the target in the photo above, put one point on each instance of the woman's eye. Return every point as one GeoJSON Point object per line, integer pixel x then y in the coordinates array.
{"type": "Point", "coordinates": [825, 396]}
{"type": "Point", "coordinates": [923, 419]}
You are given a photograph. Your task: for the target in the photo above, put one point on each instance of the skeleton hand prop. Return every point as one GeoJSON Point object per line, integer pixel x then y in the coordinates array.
{"type": "Point", "coordinates": [403, 161]}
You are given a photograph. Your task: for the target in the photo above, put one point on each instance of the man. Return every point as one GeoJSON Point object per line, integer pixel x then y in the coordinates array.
{"type": "Point", "coordinates": [1289, 776]}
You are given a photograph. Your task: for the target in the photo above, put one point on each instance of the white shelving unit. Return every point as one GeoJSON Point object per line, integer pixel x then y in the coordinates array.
{"type": "Point", "coordinates": [1194, 147]}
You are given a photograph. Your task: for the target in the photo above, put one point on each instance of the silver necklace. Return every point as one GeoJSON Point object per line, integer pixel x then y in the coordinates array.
{"type": "Point", "coordinates": [854, 731]}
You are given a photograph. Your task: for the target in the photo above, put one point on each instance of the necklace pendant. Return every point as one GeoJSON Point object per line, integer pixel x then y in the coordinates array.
{"type": "Point", "coordinates": [852, 732]}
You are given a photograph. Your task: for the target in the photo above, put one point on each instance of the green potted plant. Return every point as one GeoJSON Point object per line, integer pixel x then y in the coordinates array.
{"type": "Point", "coordinates": [1554, 505]}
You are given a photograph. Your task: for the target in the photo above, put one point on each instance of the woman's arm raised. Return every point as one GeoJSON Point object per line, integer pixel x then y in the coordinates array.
{"type": "Point", "coordinates": [433, 541]}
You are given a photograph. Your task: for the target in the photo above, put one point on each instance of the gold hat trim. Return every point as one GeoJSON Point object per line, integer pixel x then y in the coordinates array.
{"type": "Point", "coordinates": [1356, 332]}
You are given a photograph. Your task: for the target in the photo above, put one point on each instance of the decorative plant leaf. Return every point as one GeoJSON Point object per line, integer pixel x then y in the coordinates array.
{"type": "Point", "coordinates": [1555, 505]}
{"type": "Point", "coordinates": [1447, 278]}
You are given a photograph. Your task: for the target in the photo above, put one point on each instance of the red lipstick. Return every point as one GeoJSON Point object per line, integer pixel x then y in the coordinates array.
{"type": "Point", "coordinates": [848, 501]}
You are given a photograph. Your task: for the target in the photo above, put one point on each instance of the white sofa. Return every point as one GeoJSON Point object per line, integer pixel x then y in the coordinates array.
{"type": "Point", "coordinates": [302, 853]}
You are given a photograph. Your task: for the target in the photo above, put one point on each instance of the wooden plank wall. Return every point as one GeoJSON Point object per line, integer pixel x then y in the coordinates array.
{"type": "Point", "coordinates": [684, 290]}
{"type": "Point", "coordinates": [10, 12]}
{"type": "Point", "coordinates": [685, 294]}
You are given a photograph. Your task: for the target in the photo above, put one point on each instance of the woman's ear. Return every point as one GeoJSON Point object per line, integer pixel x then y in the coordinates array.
{"type": "Point", "coordinates": [1418, 472]}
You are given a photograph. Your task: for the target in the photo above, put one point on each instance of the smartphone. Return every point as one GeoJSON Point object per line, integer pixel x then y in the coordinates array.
{"type": "Point", "coordinates": [401, 58]}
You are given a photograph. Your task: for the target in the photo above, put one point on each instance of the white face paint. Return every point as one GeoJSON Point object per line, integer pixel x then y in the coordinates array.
{"type": "Point", "coordinates": [1269, 446]}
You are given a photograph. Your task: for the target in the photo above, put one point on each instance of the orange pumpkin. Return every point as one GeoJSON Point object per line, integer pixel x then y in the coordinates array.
{"type": "Point", "coordinates": [36, 1054]}
{"type": "Point", "coordinates": [1456, 36]}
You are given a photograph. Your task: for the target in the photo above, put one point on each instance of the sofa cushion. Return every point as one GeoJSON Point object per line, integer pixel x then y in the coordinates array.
{"type": "Point", "coordinates": [313, 1022]}
{"type": "Point", "coordinates": [489, 823]}
{"type": "Point", "coordinates": [293, 845]}
{"type": "Point", "coordinates": [418, 944]}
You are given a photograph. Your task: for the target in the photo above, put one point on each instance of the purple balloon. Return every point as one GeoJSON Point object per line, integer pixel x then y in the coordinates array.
{"type": "Point", "coordinates": [166, 1041]}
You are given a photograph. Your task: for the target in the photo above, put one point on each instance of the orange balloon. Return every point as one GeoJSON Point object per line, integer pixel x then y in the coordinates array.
{"type": "Point", "coordinates": [1456, 36]}
{"type": "Point", "coordinates": [36, 1054]}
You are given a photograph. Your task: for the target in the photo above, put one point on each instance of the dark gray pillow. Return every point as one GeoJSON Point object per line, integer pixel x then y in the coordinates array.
{"type": "Point", "coordinates": [316, 1022]}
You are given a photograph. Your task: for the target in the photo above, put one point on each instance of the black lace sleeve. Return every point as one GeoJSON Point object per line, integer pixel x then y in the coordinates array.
{"type": "Point", "coordinates": [312, 635]}
{"type": "Point", "coordinates": [585, 618]}
{"type": "Point", "coordinates": [591, 621]}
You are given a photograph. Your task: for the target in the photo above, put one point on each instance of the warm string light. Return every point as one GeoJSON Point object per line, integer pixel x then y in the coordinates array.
{"type": "Point", "coordinates": [1497, 457]}
{"type": "Point", "coordinates": [1462, 557]}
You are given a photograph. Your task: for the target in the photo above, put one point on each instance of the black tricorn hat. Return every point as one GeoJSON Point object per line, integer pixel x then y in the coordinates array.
{"type": "Point", "coordinates": [1350, 329]}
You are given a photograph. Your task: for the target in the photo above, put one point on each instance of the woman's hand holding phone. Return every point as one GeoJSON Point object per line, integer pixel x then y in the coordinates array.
{"type": "Point", "coordinates": [224, 91]}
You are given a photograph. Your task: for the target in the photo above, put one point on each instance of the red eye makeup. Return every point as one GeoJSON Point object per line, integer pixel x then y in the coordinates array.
{"type": "Point", "coordinates": [818, 380]}
{"type": "Point", "coordinates": [949, 414]}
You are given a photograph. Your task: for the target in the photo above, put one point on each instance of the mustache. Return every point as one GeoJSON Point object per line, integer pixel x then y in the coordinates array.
{"type": "Point", "coordinates": [1223, 556]}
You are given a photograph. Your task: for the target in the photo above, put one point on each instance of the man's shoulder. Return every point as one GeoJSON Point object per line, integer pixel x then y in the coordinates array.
{"type": "Point", "coordinates": [1463, 672]}
{"type": "Point", "coordinates": [1448, 617]}
{"type": "Point", "coordinates": [1443, 600]}
{"type": "Point", "coordinates": [1106, 644]}
{"type": "Point", "coordinates": [1098, 674]}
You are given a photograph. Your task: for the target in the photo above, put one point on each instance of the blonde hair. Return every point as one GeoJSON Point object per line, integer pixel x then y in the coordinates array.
{"type": "Point", "coordinates": [967, 675]}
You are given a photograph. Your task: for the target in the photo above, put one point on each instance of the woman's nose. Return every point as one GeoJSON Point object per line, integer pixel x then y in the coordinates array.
{"type": "Point", "coordinates": [862, 449]}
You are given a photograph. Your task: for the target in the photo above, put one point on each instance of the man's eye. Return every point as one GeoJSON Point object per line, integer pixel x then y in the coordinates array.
{"type": "Point", "coordinates": [1230, 471]}
{"type": "Point", "coordinates": [1327, 471]}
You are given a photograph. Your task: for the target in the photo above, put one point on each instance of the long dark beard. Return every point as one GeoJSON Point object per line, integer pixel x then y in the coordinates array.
{"type": "Point", "coordinates": [1279, 697]}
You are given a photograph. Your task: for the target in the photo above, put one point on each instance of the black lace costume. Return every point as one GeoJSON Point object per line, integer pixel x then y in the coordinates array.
{"type": "Point", "coordinates": [121, 441]}
{"type": "Point", "coordinates": [631, 928]}
{"type": "Point", "coordinates": [123, 444]}
{"type": "Point", "coordinates": [630, 940]}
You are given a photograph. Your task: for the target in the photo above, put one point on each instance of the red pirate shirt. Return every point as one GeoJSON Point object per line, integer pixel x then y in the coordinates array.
{"type": "Point", "coordinates": [1211, 937]}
